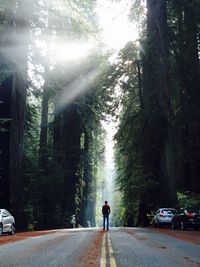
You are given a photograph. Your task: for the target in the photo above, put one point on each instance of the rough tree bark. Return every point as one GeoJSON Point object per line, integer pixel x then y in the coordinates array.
{"type": "Point", "coordinates": [71, 133]}
{"type": "Point", "coordinates": [157, 96]}
{"type": "Point", "coordinates": [5, 117]}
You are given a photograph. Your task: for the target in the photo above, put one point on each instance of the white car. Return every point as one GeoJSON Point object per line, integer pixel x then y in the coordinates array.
{"type": "Point", "coordinates": [7, 222]}
{"type": "Point", "coordinates": [163, 216]}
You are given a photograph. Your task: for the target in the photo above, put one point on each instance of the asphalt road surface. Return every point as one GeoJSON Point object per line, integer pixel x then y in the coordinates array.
{"type": "Point", "coordinates": [122, 247]}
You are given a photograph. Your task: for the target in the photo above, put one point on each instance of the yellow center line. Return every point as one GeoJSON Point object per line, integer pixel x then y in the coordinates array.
{"type": "Point", "coordinates": [107, 255]}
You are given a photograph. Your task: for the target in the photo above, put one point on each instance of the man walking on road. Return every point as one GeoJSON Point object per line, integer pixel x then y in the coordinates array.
{"type": "Point", "coordinates": [106, 211]}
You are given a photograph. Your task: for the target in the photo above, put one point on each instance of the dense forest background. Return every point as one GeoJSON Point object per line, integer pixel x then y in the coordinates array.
{"type": "Point", "coordinates": [59, 83]}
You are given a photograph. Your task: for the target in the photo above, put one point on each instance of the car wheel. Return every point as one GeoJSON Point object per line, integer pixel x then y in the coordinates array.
{"type": "Point", "coordinates": [173, 226]}
{"type": "Point", "coordinates": [12, 231]}
{"type": "Point", "coordinates": [183, 227]}
{"type": "Point", "coordinates": [1, 229]}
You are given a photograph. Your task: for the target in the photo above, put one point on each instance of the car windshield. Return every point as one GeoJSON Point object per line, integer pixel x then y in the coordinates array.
{"type": "Point", "coordinates": [168, 211]}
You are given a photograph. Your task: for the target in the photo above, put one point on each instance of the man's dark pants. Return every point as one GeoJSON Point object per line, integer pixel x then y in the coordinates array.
{"type": "Point", "coordinates": [105, 219]}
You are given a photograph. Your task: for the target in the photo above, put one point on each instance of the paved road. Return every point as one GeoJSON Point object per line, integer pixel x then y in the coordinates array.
{"type": "Point", "coordinates": [119, 247]}
{"type": "Point", "coordinates": [145, 247]}
{"type": "Point", "coordinates": [61, 249]}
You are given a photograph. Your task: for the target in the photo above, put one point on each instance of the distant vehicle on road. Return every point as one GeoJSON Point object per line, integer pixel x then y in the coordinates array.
{"type": "Point", "coordinates": [7, 222]}
{"type": "Point", "coordinates": [163, 216]}
{"type": "Point", "coordinates": [186, 218]}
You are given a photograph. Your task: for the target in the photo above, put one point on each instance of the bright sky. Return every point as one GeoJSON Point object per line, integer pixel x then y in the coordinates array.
{"type": "Point", "coordinates": [117, 30]}
{"type": "Point", "coordinates": [113, 18]}
{"type": "Point", "coordinates": [71, 51]}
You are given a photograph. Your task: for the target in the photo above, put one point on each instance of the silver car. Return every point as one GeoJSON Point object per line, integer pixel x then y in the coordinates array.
{"type": "Point", "coordinates": [7, 222]}
{"type": "Point", "coordinates": [163, 216]}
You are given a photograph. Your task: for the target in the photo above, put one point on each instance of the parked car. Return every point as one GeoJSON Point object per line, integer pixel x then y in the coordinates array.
{"type": "Point", "coordinates": [7, 222]}
{"type": "Point", "coordinates": [186, 218]}
{"type": "Point", "coordinates": [163, 216]}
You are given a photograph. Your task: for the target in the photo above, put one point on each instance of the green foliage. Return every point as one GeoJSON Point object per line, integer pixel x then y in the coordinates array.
{"type": "Point", "coordinates": [122, 215]}
{"type": "Point", "coordinates": [150, 216]}
{"type": "Point", "coordinates": [155, 148]}
{"type": "Point", "coordinates": [4, 74]}
{"type": "Point", "coordinates": [188, 200]}
{"type": "Point", "coordinates": [29, 217]}
{"type": "Point", "coordinates": [3, 123]}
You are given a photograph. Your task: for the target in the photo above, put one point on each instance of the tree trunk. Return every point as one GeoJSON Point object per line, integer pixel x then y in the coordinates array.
{"type": "Point", "coordinates": [18, 100]}
{"type": "Point", "coordinates": [43, 150]}
{"type": "Point", "coordinates": [18, 107]}
{"type": "Point", "coordinates": [89, 189]}
{"type": "Point", "coordinates": [192, 80]}
{"type": "Point", "coordinates": [57, 151]}
{"type": "Point", "coordinates": [187, 75]}
{"type": "Point", "coordinates": [71, 137]}
{"type": "Point", "coordinates": [157, 88]}
{"type": "Point", "coordinates": [5, 117]}
{"type": "Point", "coordinates": [140, 84]}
